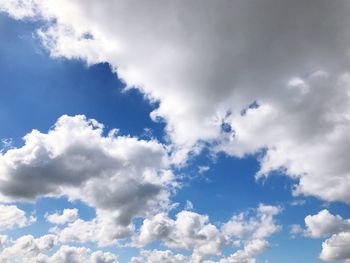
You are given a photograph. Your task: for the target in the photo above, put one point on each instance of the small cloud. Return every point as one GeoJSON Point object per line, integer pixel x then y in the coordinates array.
{"type": "Point", "coordinates": [298, 202]}
{"type": "Point", "coordinates": [296, 230]}
{"type": "Point", "coordinates": [203, 169]}
{"type": "Point", "coordinates": [6, 144]}
{"type": "Point", "coordinates": [189, 205]}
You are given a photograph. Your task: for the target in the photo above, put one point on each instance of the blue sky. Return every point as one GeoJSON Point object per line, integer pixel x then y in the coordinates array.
{"type": "Point", "coordinates": [171, 178]}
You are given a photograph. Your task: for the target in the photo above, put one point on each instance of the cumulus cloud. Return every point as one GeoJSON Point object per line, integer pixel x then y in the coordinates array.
{"type": "Point", "coordinates": [68, 254]}
{"type": "Point", "coordinates": [36, 250]}
{"type": "Point", "coordinates": [189, 231]}
{"type": "Point", "coordinates": [101, 230]}
{"type": "Point", "coordinates": [237, 68]}
{"type": "Point", "coordinates": [244, 226]}
{"type": "Point", "coordinates": [246, 255]}
{"type": "Point", "coordinates": [194, 232]}
{"type": "Point", "coordinates": [325, 224]}
{"type": "Point", "coordinates": [11, 217]}
{"type": "Point", "coordinates": [122, 177]}
{"type": "Point", "coordinates": [335, 229]}
{"type": "Point", "coordinates": [155, 256]}
{"type": "Point", "coordinates": [336, 248]}
{"type": "Point", "coordinates": [68, 215]}
{"type": "Point", "coordinates": [27, 248]}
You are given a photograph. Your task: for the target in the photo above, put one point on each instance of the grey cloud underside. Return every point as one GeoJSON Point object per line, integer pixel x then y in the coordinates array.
{"type": "Point", "coordinates": [122, 175]}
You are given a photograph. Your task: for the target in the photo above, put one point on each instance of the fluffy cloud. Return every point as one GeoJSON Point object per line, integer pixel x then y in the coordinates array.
{"type": "Point", "coordinates": [246, 255]}
{"type": "Point", "coordinates": [68, 254]}
{"type": "Point", "coordinates": [194, 232]}
{"type": "Point", "coordinates": [101, 230]}
{"type": "Point", "coordinates": [68, 215]}
{"type": "Point", "coordinates": [190, 231]}
{"type": "Point", "coordinates": [261, 226]}
{"type": "Point", "coordinates": [27, 249]}
{"type": "Point", "coordinates": [325, 224]}
{"type": "Point", "coordinates": [335, 229]}
{"type": "Point", "coordinates": [336, 248]}
{"type": "Point", "coordinates": [122, 177]}
{"type": "Point", "coordinates": [32, 250]}
{"type": "Point", "coordinates": [11, 217]}
{"type": "Point", "coordinates": [155, 256]}
{"type": "Point", "coordinates": [273, 68]}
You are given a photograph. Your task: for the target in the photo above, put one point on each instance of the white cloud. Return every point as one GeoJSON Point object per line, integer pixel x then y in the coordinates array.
{"type": "Point", "coordinates": [215, 62]}
{"type": "Point", "coordinates": [189, 231]}
{"type": "Point", "coordinates": [68, 254]}
{"type": "Point", "coordinates": [248, 253]}
{"type": "Point", "coordinates": [122, 177]}
{"type": "Point", "coordinates": [336, 248]}
{"type": "Point", "coordinates": [102, 230]}
{"type": "Point", "coordinates": [244, 226]}
{"type": "Point", "coordinates": [156, 256]}
{"type": "Point", "coordinates": [335, 229]}
{"type": "Point", "coordinates": [194, 232]}
{"type": "Point", "coordinates": [27, 249]}
{"type": "Point", "coordinates": [325, 224]}
{"type": "Point", "coordinates": [12, 217]}
{"type": "Point", "coordinates": [68, 215]}
{"type": "Point", "coordinates": [34, 250]}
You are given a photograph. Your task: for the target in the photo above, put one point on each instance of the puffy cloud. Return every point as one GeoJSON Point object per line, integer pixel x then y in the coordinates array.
{"type": "Point", "coordinates": [325, 224]}
{"type": "Point", "coordinates": [336, 248]}
{"type": "Point", "coordinates": [34, 250]}
{"type": "Point", "coordinates": [68, 254]}
{"type": "Point", "coordinates": [68, 215]}
{"type": "Point", "coordinates": [11, 216]}
{"type": "Point", "coordinates": [27, 249]}
{"type": "Point", "coordinates": [194, 232]}
{"type": "Point", "coordinates": [237, 68]}
{"type": "Point", "coordinates": [335, 229]}
{"type": "Point", "coordinates": [189, 231]}
{"type": "Point", "coordinates": [247, 254]}
{"type": "Point", "coordinates": [261, 226]}
{"type": "Point", "coordinates": [155, 256]}
{"type": "Point", "coordinates": [122, 177]}
{"type": "Point", "coordinates": [101, 230]}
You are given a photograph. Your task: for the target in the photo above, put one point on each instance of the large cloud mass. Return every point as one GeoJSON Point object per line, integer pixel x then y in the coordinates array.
{"type": "Point", "coordinates": [249, 75]}
{"type": "Point", "coordinates": [120, 176]}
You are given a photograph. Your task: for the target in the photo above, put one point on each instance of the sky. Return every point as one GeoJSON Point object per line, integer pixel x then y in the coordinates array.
{"type": "Point", "coordinates": [165, 131]}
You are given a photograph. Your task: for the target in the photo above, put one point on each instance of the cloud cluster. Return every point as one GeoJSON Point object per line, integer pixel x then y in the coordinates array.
{"type": "Point", "coordinates": [120, 176]}
{"type": "Point", "coordinates": [26, 248]}
{"type": "Point", "coordinates": [34, 250]}
{"type": "Point", "coordinates": [192, 231]}
{"type": "Point", "coordinates": [335, 229]}
{"type": "Point", "coordinates": [155, 256]}
{"type": "Point", "coordinates": [248, 76]}
{"type": "Point", "coordinates": [102, 230]}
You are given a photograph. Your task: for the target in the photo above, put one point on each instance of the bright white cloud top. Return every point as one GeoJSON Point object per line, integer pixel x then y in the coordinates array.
{"type": "Point", "coordinates": [240, 77]}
